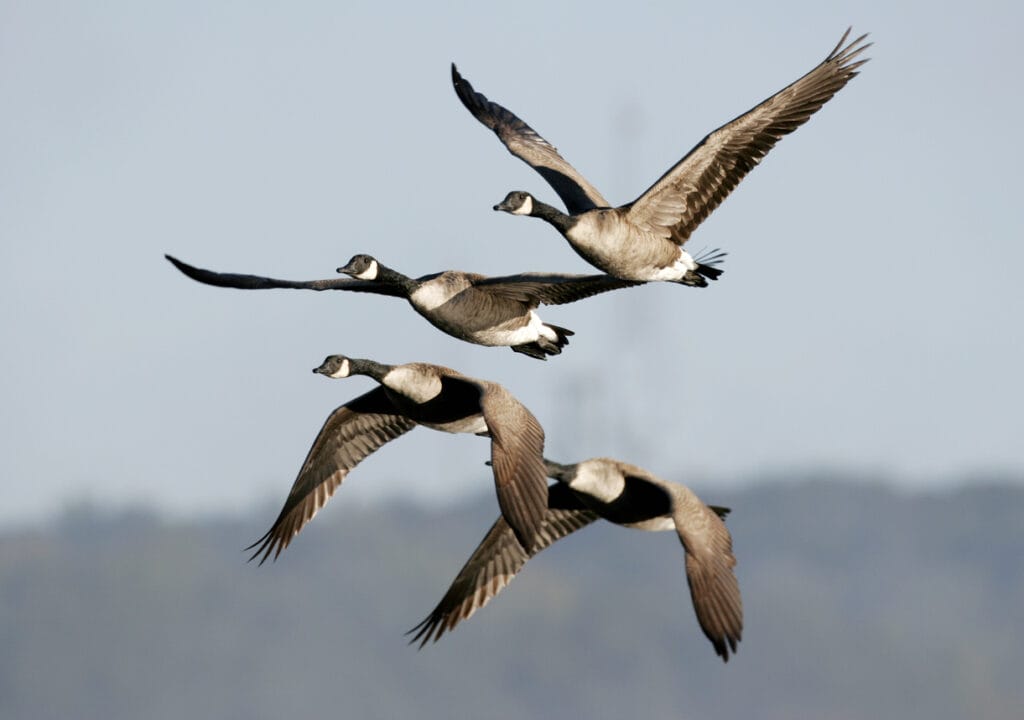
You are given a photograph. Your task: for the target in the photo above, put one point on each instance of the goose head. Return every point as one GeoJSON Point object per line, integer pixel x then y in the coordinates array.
{"type": "Point", "coordinates": [517, 202]}
{"type": "Point", "coordinates": [361, 267]}
{"type": "Point", "coordinates": [342, 366]}
{"type": "Point", "coordinates": [335, 366]}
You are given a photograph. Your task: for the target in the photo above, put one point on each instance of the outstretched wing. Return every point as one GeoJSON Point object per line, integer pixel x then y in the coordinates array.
{"type": "Point", "coordinates": [497, 560]}
{"type": "Point", "coordinates": [517, 460]}
{"type": "Point", "coordinates": [709, 570]}
{"type": "Point", "coordinates": [351, 433]}
{"type": "Point", "coordinates": [551, 288]}
{"type": "Point", "coordinates": [256, 282]}
{"type": "Point", "coordinates": [685, 195]}
{"type": "Point", "coordinates": [524, 142]}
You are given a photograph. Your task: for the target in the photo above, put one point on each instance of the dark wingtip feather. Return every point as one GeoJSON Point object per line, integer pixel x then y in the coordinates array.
{"type": "Point", "coordinates": [184, 267]}
{"type": "Point", "coordinates": [720, 511]}
{"type": "Point", "coordinates": [423, 632]}
{"type": "Point", "coordinates": [265, 546]}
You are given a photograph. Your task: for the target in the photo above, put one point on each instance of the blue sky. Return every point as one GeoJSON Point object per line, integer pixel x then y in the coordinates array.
{"type": "Point", "coordinates": [869, 317]}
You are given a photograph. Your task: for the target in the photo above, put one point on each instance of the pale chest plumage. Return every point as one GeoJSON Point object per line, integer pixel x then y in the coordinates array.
{"type": "Point", "coordinates": [605, 239]}
{"type": "Point", "coordinates": [413, 383]}
{"type": "Point", "coordinates": [453, 304]}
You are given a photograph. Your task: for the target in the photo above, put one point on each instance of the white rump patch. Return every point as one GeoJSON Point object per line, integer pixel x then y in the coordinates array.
{"type": "Point", "coordinates": [528, 333]}
{"type": "Point", "coordinates": [677, 270]}
{"type": "Point", "coordinates": [415, 384]}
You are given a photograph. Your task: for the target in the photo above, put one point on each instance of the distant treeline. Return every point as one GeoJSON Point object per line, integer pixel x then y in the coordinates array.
{"type": "Point", "coordinates": [860, 602]}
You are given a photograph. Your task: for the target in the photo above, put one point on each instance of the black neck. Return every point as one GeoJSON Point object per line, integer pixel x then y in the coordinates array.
{"type": "Point", "coordinates": [558, 471]}
{"type": "Point", "coordinates": [373, 369]}
{"type": "Point", "coordinates": [552, 215]}
{"type": "Point", "coordinates": [393, 278]}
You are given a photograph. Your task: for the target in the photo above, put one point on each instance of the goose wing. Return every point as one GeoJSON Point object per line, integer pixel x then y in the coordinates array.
{"type": "Point", "coordinates": [709, 570]}
{"type": "Point", "coordinates": [256, 282]}
{"type": "Point", "coordinates": [517, 460]}
{"type": "Point", "coordinates": [497, 560]}
{"type": "Point", "coordinates": [551, 288]}
{"type": "Point", "coordinates": [524, 142]}
{"type": "Point", "coordinates": [351, 433]}
{"type": "Point", "coordinates": [685, 195]}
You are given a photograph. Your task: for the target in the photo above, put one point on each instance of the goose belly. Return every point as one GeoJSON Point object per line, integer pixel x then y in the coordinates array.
{"type": "Point", "coordinates": [521, 330]}
{"type": "Point", "coordinates": [516, 331]}
{"type": "Point", "coordinates": [622, 251]}
{"type": "Point", "coordinates": [474, 424]}
{"type": "Point", "coordinates": [658, 524]}
{"type": "Point", "coordinates": [479, 318]}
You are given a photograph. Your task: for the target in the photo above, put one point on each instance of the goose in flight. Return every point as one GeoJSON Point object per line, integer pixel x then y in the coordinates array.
{"type": "Point", "coordinates": [493, 311]}
{"type": "Point", "coordinates": [623, 494]}
{"type": "Point", "coordinates": [643, 240]}
{"type": "Point", "coordinates": [409, 395]}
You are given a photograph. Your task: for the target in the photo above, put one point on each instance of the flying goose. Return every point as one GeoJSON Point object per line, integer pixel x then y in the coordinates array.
{"type": "Point", "coordinates": [644, 239]}
{"type": "Point", "coordinates": [409, 395]}
{"type": "Point", "coordinates": [625, 495]}
{"type": "Point", "coordinates": [492, 311]}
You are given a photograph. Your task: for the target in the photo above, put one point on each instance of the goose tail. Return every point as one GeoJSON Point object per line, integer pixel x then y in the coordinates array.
{"type": "Point", "coordinates": [544, 346]}
{"type": "Point", "coordinates": [707, 268]}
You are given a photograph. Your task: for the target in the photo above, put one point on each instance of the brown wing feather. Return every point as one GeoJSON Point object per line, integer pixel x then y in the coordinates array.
{"type": "Point", "coordinates": [351, 433]}
{"type": "Point", "coordinates": [551, 288]}
{"type": "Point", "coordinates": [526, 144]}
{"type": "Point", "coordinates": [258, 282]}
{"type": "Point", "coordinates": [709, 572]}
{"type": "Point", "coordinates": [497, 560]}
{"type": "Point", "coordinates": [517, 460]}
{"type": "Point", "coordinates": [685, 195]}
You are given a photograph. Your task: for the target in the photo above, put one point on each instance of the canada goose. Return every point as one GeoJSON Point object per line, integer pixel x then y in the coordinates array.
{"type": "Point", "coordinates": [623, 494]}
{"type": "Point", "coordinates": [644, 239]}
{"type": "Point", "coordinates": [409, 395]}
{"type": "Point", "coordinates": [492, 311]}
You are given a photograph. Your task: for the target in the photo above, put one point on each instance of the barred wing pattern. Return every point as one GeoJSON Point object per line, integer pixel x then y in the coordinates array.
{"type": "Point", "coordinates": [352, 432]}
{"type": "Point", "coordinates": [709, 570]}
{"type": "Point", "coordinates": [517, 460]}
{"type": "Point", "coordinates": [685, 195]}
{"type": "Point", "coordinates": [526, 144]}
{"type": "Point", "coordinates": [497, 560]}
{"type": "Point", "coordinates": [552, 288]}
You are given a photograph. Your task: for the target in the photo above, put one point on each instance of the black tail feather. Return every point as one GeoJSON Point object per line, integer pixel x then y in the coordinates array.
{"type": "Point", "coordinates": [708, 262]}
{"type": "Point", "coordinates": [543, 347]}
{"type": "Point", "coordinates": [706, 269]}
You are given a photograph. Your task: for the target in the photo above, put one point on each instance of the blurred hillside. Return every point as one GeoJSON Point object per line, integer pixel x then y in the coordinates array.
{"type": "Point", "coordinates": [861, 602]}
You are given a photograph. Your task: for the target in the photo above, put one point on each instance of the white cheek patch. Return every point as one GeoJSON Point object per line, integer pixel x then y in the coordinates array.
{"type": "Point", "coordinates": [343, 370]}
{"type": "Point", "coordinates": [526, 208]}
{"type": "Point", "coordinates": [414, 384]}
{"type": "Point", "coordinates": [369, 273]}
{"type": "Point", "coordinates": [677, 270]}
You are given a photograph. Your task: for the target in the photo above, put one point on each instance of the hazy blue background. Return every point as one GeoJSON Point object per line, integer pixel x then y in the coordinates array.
{"type": "Point", "coordinates": [870, 316]}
